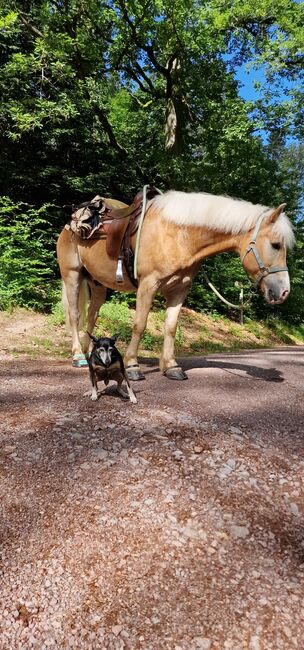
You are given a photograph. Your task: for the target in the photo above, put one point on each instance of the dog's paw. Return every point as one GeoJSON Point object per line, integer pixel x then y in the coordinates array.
{"type": "Point", "coordinates": [88, 393]}
{"type": "Point", "coordinates": [94, 397]}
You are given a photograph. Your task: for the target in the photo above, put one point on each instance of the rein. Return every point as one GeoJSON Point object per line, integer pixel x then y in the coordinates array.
{"type": "Point", "coordinates": [264, 270]}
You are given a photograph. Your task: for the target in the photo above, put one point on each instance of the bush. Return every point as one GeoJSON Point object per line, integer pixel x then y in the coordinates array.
{"type": "Point", "coordinates": [115, 318]}
{"type": "Point", "coordinates": [27, 256]}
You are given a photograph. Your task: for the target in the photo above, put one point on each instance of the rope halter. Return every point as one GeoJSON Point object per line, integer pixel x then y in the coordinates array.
{"type": "Point", "coordinates": [264, 270]}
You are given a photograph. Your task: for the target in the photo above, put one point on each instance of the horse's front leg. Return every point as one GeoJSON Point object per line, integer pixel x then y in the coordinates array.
{"type": "Point", "coordinates": [167, 362]}
{"type": "Point", "coordinates": [98, 296]}
{"type": "Point", "coordinates": [145, 293]}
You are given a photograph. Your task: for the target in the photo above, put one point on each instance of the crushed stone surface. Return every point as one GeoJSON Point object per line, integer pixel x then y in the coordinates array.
{"type": "Point", "coordinates": [176, 523]}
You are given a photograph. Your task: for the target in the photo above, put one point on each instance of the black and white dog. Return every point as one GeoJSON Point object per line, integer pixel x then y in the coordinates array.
{"type": "Point", "coordinates": [106, 363]}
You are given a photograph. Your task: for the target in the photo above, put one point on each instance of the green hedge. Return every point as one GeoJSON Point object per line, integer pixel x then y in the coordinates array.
{"type": "Point", "coordinates": [28, 267]}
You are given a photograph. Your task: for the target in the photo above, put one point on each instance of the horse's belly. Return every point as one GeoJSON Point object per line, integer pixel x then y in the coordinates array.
{"type": "Point", "coordinates": [94, 258]}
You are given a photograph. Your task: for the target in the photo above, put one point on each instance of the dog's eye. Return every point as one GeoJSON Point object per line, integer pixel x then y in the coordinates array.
{"type": "Point", "coordinates": [101, 349]}
{"type": "Point", "coordinates": [276, 246]}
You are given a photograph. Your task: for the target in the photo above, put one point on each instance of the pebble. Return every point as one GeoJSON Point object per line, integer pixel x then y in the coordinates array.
{"type": "Point", "coordinates": [85, 465]}
{"type": "Point", "coordinates": [8, 449]}
{"type": "Point", "coordinates": [224, 471]}
{"type": "Point", "coordinates": [133, 462]}
{"type": "Point", "coordinates": [76, 435]}
{"type": "Point", "coordinates": [169, 498]}
{"type": "Point", "coordinates": [202, 642]}
{"type": "Point", "coordinates": [155, 620]}
{"type": "Point", "coordinates": [116, 629]}
{"type": "Point", "coordinates": [294, 508]}
{"type": "Point", "coordinates": [287, 631]}
{"type": "Point", "coordinates": [239, 532]}
{"type": "Point", "coordinates": [101, 454]}
{"type": "Point", "coordinates": [235, 430]}
{"type": "Point", "coordinates": [178, 455]}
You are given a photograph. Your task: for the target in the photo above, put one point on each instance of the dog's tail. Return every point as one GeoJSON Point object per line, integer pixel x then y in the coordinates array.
{"type": "Point", "coordinates": [82, 304]}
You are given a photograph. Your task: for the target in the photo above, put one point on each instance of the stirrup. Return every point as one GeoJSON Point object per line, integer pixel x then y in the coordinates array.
{"type": "Point", "coordinates": [119, 272]}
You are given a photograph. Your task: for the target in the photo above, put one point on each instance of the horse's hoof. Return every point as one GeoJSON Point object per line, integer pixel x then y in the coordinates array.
{"type": "Point", "coordinates": [79, 361]}
{"type": "Point", "coordinates": [134, 373]}
{"type": "Point", "coordinates": [176, 372]}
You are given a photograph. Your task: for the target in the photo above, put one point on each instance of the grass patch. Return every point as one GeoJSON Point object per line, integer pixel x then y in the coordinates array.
{"type": "Point", "coordinates": [151, 342]}
{"type": "Point", "coordinates": [115, 318]}
{"type": "Point", "coordinates": [236, 331]}
{"type": "Point", "coordinates": [57, 317]}
{"type": "Point", "coordinates": [26, 332]}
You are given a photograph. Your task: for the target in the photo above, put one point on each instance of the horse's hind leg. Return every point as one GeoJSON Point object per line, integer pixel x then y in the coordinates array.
{"type": "Point", "coordinates": [98, 296]}
{"type": "Point", "coordinates": [168, 364]}
{"type": "Point", "coordinates": [72, 283]}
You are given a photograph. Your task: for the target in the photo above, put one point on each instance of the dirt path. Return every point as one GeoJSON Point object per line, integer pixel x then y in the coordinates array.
{"type": "Point", "coordinates": [173, 524]}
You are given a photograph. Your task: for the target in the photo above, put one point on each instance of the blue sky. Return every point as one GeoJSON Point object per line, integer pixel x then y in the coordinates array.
{"type": "Point", "coordinates": [247, 79]}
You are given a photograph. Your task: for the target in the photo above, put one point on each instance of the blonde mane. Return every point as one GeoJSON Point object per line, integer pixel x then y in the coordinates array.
{"type": "Point", "coordinates": [220, 213]}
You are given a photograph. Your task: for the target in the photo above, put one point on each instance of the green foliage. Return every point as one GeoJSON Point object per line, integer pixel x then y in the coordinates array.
{"type": "Point", "coordinates": [115, 318]}
{"type": "Point", "coordinates": [252, 326]}
{"type": "Point", "coordinates": [57, 317]}
{"type": "Point", "coordinates": [151, 341]}
{"type": "Point", "coordinates": [26, 256]}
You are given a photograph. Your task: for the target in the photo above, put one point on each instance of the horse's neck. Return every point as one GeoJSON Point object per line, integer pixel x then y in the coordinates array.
{"type": "Point", "coordinates": [206, 242]}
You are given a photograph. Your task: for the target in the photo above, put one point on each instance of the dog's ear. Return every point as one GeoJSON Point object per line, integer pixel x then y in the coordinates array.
{"type": "Point", "coordinates": [92, 337]}
{"type": "Point", "coordinates": [114, 337]}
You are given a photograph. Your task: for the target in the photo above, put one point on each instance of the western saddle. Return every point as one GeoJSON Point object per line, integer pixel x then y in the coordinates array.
{"type": "Point", "coordinates": [101, 219]}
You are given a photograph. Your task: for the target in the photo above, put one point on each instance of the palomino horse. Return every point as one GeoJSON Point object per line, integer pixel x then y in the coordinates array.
{"type": "Point", "coordinates": [179, 231]}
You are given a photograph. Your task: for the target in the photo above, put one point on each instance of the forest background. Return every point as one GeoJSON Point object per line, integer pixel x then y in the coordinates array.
{"type": "Point", "coordinates": [103, 97]}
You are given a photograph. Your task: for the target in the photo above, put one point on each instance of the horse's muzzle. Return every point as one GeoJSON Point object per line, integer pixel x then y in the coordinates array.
{"type": "Point", "coordinates": [276, 289]}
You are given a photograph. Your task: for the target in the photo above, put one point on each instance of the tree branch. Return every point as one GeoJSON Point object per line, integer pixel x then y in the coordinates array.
{"type": "Point", "coordinates": [146, 48]}
{"type": "Point", "coordinates": [31, 28]}
{"type": "Point", "coordinates": [133, 75]}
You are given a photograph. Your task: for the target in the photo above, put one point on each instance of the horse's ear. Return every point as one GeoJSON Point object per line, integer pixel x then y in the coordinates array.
{"type": "Point", "coordinates": [276, 213]}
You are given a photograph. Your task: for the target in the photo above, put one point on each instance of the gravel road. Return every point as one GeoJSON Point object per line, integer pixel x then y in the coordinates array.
{"type": "Point", "coordinates": [176, 523]}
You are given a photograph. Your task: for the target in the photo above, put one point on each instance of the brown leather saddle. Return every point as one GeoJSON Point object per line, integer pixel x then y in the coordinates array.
{"type": "Point", "coordinates": [100, 218]}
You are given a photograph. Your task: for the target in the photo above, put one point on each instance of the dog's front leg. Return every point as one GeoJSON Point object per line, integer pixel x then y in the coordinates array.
{"type": "Point", "coordinates": [94, 393]}
{"type": "Point", "coordinates": [130, 393]}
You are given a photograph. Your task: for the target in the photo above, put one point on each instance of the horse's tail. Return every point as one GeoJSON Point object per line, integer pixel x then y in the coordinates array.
{"type": "Point", "coordinates": [82, 303]}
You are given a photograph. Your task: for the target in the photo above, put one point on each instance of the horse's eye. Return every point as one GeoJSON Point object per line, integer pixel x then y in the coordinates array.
{"type": "Point", "coordinates": [276, 246]}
